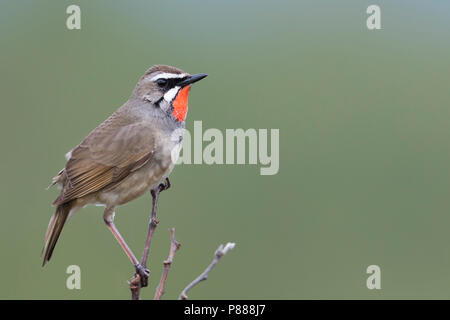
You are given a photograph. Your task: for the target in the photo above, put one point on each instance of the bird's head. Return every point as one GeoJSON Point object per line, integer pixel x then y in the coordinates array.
{"type": "Point", "coordinates": [166, 88]}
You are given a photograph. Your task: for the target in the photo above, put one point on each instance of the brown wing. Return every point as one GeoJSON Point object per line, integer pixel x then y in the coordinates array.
{"type": "Point", "coordinates": [105, 157]}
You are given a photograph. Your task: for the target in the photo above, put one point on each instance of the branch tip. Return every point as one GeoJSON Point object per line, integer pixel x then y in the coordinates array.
{"type": "Point", "coordinates": [218, 254]}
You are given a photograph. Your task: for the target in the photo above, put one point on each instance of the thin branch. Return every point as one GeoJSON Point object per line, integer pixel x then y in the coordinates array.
{"type": "Point", "coordinates": [135, 287]}
{"type": "Point", "coordinates": [136, 284]}
{"type": "Point", "coordinates": [220, 252]}
{"type": "Point", "coordinates": [151, 227]}
{"type": "Point", "coordinates": [174, 246]}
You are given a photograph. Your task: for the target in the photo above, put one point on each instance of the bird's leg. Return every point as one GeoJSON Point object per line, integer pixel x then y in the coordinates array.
{"type": "Point", "coordinates": [142, 271]}
{"type": "Point", "coordinates": [153, 222]}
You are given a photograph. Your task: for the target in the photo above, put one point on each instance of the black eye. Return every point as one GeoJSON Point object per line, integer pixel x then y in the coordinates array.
{"type": "Point", "coordinates": [162, 83]}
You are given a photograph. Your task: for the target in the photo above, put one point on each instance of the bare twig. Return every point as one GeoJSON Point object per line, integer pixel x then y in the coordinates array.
{"type": "Point", "coordinates": [220, 252]}
{"type": "Point", "coordinates": [151, 227]}
{"type": "Point", "coordinates": [135, 287]}
{"type": "Point", "coordinates": [174, 246]}
{"type": "Point", "coordinates": [136, 284]}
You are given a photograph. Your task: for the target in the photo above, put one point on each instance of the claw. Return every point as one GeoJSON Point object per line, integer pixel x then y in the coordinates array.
{"type": "Point", "coordinates": [164, 186]}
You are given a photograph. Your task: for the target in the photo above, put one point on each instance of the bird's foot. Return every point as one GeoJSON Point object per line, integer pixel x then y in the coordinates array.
{"type": "Point", "coordinates": [143, 274]}
{"type": "Point", "coordinates": [164, 186]}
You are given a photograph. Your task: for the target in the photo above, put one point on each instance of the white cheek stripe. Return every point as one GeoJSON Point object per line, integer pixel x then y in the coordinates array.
{"type": "Point", "coordinates": [169, 76]}
{"type": "Point", "coordinates": [171, 94]}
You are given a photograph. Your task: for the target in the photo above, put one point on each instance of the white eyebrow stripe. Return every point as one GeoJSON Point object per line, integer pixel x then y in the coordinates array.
{"type": "Point", "coordinates": [169, 76]}
{"type": "Point", "coordinates": [171, 94]}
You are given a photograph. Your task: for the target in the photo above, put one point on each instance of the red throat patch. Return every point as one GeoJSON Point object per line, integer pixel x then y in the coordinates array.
{"type": "Point", "coordinates": [180, 105]}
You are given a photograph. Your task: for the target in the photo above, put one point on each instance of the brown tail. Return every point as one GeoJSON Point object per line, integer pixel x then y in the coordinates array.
{"type": "Point", "coordinates": [54, 229]}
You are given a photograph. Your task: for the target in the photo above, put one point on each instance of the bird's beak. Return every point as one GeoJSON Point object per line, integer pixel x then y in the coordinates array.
{"type": "Point", "coordinates": [191, 79]}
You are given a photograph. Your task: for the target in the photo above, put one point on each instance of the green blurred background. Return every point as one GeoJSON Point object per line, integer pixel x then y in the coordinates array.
{"type": "Point", "coordinates": [364, 123]}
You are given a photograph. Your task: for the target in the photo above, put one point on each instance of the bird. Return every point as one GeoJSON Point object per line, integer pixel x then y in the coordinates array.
{"type": "Point", "coordinates": [130, 153]}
